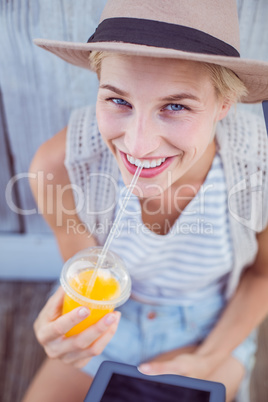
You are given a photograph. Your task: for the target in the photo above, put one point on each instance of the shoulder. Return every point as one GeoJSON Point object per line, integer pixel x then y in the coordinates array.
{"type": "Point", "coordinates": [47, 175]}
{"type": "Point", "coordinates": [49, 158]}
{"type": "Point", "coordinates": [52, 190]}
{"type": "Point", "coordinates": [243, 132]}
{"type": "Point", "coordinates": [261, 262]}
{"type": "Point", "coordinates": [243, 146]}
{"type": "Point", "coordinates": [242, 139]}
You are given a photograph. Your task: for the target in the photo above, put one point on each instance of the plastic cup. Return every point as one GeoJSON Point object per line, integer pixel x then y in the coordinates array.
{"type": "Point", "coordinates": [111, 288]}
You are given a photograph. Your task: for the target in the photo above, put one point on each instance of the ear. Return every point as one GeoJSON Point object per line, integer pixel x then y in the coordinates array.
{"type": "Point", "coordinates": [224, 108]}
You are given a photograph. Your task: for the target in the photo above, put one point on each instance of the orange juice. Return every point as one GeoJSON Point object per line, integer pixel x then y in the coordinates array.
{"type": "Point", "coordinates": [105, 288]}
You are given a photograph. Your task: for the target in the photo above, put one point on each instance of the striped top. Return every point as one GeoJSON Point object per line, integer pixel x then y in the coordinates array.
{"type": "Point", "coordinates": [193, 260]}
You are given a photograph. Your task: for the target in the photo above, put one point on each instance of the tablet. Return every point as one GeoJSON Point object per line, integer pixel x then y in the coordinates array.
{"type": "Point", "coordinates": [118, 382]}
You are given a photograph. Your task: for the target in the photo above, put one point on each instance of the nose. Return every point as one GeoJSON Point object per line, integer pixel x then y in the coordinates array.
{"type": "Point", "coordinates": [142, 137]}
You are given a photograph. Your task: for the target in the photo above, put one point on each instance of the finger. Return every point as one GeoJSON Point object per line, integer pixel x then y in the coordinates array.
{"type": "Point", "coordinates": [157, 368]}
{"type": "Point", "coordinates": [52, 308]}
{"type": "Point", "coordinates": [95, 349]}
{"type": "Point", "coordinates": [63, 324]}
{"type": "Point", "coordinates": [91, 334]}
{"type": "Point", "coordinates": [68, 349]}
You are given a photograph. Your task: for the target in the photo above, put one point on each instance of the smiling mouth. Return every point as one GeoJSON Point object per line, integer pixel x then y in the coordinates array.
{"type": "Point", "coordinates": [147, 164]}
{"type": "Point", "coordinates": [151, 167]}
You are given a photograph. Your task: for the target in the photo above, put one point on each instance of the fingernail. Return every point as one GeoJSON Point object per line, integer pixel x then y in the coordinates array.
{"type": "Point", "coordinates": [145, 368]}
{"type": "Point", "coordinates": [110, 319]}
{"type": "Point", "coordinates": [83, 312]}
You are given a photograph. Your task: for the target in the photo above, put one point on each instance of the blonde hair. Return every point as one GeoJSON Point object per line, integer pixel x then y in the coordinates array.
{"type": "Point", "coordinates": [226, 83]}
{"type": "Point", "coordinates": [95, 59]}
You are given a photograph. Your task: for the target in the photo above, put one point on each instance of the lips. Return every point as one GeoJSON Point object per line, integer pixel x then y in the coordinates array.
{"type": "Point", "coordinates": [146, 172]}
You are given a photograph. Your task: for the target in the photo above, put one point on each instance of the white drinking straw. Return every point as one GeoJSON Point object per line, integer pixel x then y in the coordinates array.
{"type": "Point", "coordinates": [114, 227]}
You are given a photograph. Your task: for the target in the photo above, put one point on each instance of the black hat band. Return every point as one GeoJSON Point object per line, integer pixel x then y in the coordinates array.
{"type": "Point", "coordinates": [162, 35]}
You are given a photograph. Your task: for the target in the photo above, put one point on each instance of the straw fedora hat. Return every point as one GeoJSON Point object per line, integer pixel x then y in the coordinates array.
{"type": "Point", "coordinates": [204, 31]}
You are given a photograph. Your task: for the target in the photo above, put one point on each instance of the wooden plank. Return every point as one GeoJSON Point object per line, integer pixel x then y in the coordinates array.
{"type": "Point", "coordinates": [253, 28]}
{"type": "Point", "coordinates": [20, 353]}
{"type": "Point", "coordinates": [265, 113]}
{"type": "Point", "coordinates": [29, 257]}
{"type": "Point", "coordinates": [9, 220]}
{"type": "Point", "coordinates": [253, 16]}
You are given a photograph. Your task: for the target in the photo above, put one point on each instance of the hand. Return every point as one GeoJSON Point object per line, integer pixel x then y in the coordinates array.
{"type": "Point", "coordinates": [186, 364]}
{"type": "Point", "coordinates": [50, 327]}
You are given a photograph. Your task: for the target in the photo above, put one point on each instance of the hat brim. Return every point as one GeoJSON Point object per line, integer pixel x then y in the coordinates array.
{"type": "Point", "coordinates": [253, 73]}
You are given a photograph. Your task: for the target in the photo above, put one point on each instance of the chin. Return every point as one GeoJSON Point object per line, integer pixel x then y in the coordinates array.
{"type": "Point", "coordinates": [146, 188]}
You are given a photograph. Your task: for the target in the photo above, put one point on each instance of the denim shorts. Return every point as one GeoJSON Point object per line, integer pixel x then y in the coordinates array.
{"type": "Point", "coordinates": [145, 331]}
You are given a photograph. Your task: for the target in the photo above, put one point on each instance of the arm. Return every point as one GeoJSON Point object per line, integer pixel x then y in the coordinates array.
{"type": "Point", "coordinates": [244, 312]}
{"type": "Point", "coordinates": [55, 201]}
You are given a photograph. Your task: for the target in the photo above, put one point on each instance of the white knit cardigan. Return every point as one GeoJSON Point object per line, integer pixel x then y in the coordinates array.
{"type": "Point", "coordinates": [242, 144]}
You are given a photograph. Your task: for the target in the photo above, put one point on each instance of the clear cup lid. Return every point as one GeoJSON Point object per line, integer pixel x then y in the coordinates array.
{"type": "Point", "coordinates": [112, 267]}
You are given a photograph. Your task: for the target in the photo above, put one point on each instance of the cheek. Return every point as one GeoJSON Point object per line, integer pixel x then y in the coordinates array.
{"type": "Point", "coordinates": [197, 133]}
{"type": "Point", "coordinates": [193, 137]}
{"type": "Point", "coordinates": [108, 125]}
{"type": "Point", "coordinates": [187, 135]}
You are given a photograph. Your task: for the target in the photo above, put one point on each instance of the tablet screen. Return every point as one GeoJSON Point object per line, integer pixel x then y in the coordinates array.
{"type": "Point", "coordinates": [122, 388]}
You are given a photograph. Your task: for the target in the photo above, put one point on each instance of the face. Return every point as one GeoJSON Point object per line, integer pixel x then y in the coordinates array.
{"type": "Point", "coordinates": [159, 112]}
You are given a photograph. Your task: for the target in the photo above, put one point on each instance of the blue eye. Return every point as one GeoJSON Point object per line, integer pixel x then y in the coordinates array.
{"type": "Point", "coordinates": [175, 107]}
{"type": "Point", "coordinates": [119, 101]}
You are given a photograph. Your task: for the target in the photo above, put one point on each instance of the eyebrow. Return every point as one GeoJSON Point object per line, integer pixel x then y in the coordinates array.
{"type": "Point", "coordinates": [180, 96]}
{"type": "Point", "coordinates": [170, 98]}
{"type": "Point", "coordinates": [114, 89]}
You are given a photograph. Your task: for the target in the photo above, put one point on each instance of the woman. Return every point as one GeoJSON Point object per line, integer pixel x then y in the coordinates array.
{"type": "Point", "coordinates": [197, 257]}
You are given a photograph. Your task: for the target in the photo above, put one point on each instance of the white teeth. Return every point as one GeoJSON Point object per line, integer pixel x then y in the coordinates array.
{"type": "Point", "coordinates": [137, 163]}
{"type": "Point", "coordinates": [146, 163]}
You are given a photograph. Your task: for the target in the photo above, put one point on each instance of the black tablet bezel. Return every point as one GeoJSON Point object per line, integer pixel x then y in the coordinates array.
{"type": "Point", "coordinates": [108, 368]}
